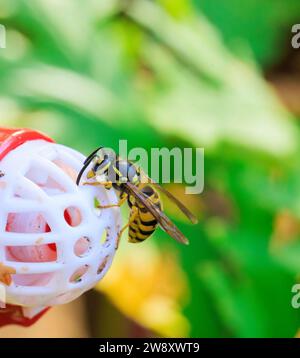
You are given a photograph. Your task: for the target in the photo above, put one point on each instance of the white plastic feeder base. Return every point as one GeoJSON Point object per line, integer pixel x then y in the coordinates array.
{"type": "Point", "coordinates": [50, 231]}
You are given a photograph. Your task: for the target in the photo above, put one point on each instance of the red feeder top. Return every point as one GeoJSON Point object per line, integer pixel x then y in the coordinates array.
{"type": "Point", "coordinates": [11, 138]}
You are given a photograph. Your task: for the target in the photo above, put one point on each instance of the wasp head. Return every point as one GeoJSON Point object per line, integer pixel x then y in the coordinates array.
{"type": "Point", "coordinates": [101, 160]}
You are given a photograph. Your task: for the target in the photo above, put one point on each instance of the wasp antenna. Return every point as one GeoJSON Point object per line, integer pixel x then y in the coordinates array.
{"type": "Point", "coordinates": [85, 165]}
{"type": "Point", "coordinates": [92, 155]}
{"type": "Point", "coordinates": [80, 175]}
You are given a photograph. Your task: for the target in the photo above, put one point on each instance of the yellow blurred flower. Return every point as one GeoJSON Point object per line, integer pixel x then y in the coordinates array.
{"type": "Point", "coordinates": [148, 285]}
{"type": "Point", "coordinates": [286, 230]}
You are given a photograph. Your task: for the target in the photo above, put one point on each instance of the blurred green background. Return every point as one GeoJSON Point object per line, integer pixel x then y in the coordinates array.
{"type": "Point", "coordinates": [215, 74]}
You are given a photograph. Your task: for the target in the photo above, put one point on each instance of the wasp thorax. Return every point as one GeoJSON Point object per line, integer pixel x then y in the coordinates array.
{"type": "Point", "coordinates": [123, 171]}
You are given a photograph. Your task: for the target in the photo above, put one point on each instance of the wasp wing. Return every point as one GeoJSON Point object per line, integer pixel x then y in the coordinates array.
{"type": "Point", "coordinates": [179, 204]}
{"type": "Point", "coordinates": [166, 224]}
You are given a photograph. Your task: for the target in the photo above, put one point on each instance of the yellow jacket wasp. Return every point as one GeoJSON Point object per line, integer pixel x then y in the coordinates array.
{"type": "Point", "coordinates": [146, 211]}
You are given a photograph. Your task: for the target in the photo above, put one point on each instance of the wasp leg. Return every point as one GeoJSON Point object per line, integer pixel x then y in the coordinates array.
{"type": "Point", "coordinates": [107, 184]}
{"type": "Point", "coordinates": [134, 212]}
{"type": "Point", "coordinates": [120, 203]}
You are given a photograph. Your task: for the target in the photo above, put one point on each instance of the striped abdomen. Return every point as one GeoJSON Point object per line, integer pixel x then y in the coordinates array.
{"type": "Point", "coordinates": [144, 224]}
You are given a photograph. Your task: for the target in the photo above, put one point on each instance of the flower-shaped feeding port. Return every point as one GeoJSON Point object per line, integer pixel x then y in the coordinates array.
{"type": "Point", "coordinates": [52, 236]}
